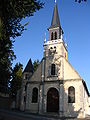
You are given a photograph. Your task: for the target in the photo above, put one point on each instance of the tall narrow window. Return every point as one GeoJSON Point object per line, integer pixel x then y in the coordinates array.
{"type": "Point", "coordinates": [25, 87]}
{"type": "Point", "coordinates": [55, 35]}
{"type": "Point", "coordinates": [35, 95]}
{"type": "Point", "coordinates": [26, 76]}
{"type": "Point", "coordinates": [71, 94]}
{"type": "Point", "coordinates": [52, 36]}
{"type": "Point", "coordinates": [24, 98]}
{"type": "Point", "coordinates": [53, 69]}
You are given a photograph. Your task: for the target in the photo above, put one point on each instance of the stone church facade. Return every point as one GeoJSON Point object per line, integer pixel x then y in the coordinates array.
{"type": "Point", "coordinates": [55, 87]}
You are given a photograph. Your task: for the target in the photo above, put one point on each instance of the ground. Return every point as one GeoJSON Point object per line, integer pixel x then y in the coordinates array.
{"type": "Point", "coordinates": [17, 115]}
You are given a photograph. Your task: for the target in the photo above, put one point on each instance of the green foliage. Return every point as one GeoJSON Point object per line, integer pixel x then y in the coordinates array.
{"type": "Point", "coordinates": [16, 79]}
{"type": "Point", "coordinates": [35, 64]}
{"type": "Point", "coordinates": [11, 14]}
{"type": "Point", "coordinates": [6, 56]}
{"type": "Point", "coordinates": [13, 11]}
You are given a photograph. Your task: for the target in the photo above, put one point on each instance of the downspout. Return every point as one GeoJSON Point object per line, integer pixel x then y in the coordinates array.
{"type": "Point", "coordinates": [41, 102]}
{"type": "Point", "coordinates": [43, 79]}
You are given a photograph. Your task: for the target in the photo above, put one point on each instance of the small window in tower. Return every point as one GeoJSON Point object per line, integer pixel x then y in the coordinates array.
{"type": "Point", "coordinates": [51, 48]}
{"type": "Point", "coordinates": [26, 76]}
{"type": "Point", "coordinates": [55, 35]}
{"type": "Point", "coordinates": [53, 69]}
{"type": "Point", "coordinates": [52, 36]}
{"type": "Point", "coordinates": [54, 47]}
{"type": "Point", "coordinates": [25, 87]}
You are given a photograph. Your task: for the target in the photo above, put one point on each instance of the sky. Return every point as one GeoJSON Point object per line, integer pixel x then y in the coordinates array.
{"type": "Point", "coordinates": [75, 22]}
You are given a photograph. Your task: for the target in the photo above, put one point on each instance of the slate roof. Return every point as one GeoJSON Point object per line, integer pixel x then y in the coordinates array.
{"type": "Point", "coordinates": [29, 67]}
{"type": "Point", "coordinates": [86, 87]}
{"type": "Point", "coordinates": [55, 19]}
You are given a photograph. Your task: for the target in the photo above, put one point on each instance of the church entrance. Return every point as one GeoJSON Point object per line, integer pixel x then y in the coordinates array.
{"type": "Point", "coordinates": [52, 100]}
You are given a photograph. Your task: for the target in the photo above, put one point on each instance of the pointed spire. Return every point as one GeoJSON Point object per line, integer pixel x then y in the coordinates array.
{"type": "Point", "coordinates": [29, 67]}
{"type": "Point", "coordinates": [55, 19]}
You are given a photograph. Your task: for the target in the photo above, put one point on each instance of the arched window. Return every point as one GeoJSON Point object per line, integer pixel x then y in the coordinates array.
{"type": "Point", "coordinates": [55, 35]}
{"type": "Point", "coordinates": [53, 69]}
{"type": "Point", "coordinates": [35, 95]}
{"type": "Point", "coordinates": [52, 36]}
{"type": "Point", "coordinates": [71, 94]}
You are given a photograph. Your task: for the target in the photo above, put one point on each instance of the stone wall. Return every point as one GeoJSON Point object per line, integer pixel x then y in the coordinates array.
{"type": "Point", "coordinates": [32, 107]}
{"type": "Point", "coordinates": [5, 102]}
{"type": "Point", "coordinates": [78, 108]}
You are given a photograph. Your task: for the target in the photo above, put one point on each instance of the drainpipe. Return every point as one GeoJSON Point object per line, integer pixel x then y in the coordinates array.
{"type": "Point", "coordinates": [41, 102]}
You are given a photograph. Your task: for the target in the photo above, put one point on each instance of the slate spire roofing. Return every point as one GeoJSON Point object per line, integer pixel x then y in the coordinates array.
{"type": "Point", "coordinates": [29, 67]}
{"type": "Point", "coordinates": [55, 19]}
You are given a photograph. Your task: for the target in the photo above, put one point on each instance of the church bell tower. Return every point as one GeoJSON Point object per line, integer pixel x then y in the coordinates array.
{"type": "Point", "coordinates": [55, 45]}
{"type": "Point", "coordinates": [55, 30]}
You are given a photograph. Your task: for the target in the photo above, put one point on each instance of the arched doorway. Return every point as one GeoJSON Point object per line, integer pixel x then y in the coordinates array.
{"type": "Point", "coordinates": [52, 100]}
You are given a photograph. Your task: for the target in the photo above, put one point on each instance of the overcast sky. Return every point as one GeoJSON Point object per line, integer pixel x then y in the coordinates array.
{"type": "Point", "coordinates": [75, 21]}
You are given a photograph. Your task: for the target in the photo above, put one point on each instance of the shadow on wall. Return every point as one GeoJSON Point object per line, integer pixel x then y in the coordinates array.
{"type": "Point", "coordinates": [66, 103]}
{"type": "Point", "coordinates": [5, 102]}
{"type": "Point", "coordinates": [71, 109]}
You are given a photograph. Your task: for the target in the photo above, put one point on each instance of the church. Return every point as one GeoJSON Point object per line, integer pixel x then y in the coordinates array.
{"type": "Point", "coordinates": [55, 87]}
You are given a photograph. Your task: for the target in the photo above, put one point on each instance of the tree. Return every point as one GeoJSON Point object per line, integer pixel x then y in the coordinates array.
{"type": "Point", "coordinates": [6, 56]}
{"type": "Point", "coordinates": [16, 79]}
{"type": "Point", "coordinates": [11, 14]}
{"type": "Point", "coordinates": [35, 64]}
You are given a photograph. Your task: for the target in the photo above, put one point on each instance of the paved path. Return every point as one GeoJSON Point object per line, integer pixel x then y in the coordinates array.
{"type": "Point", "coordinates": [16, 115]}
